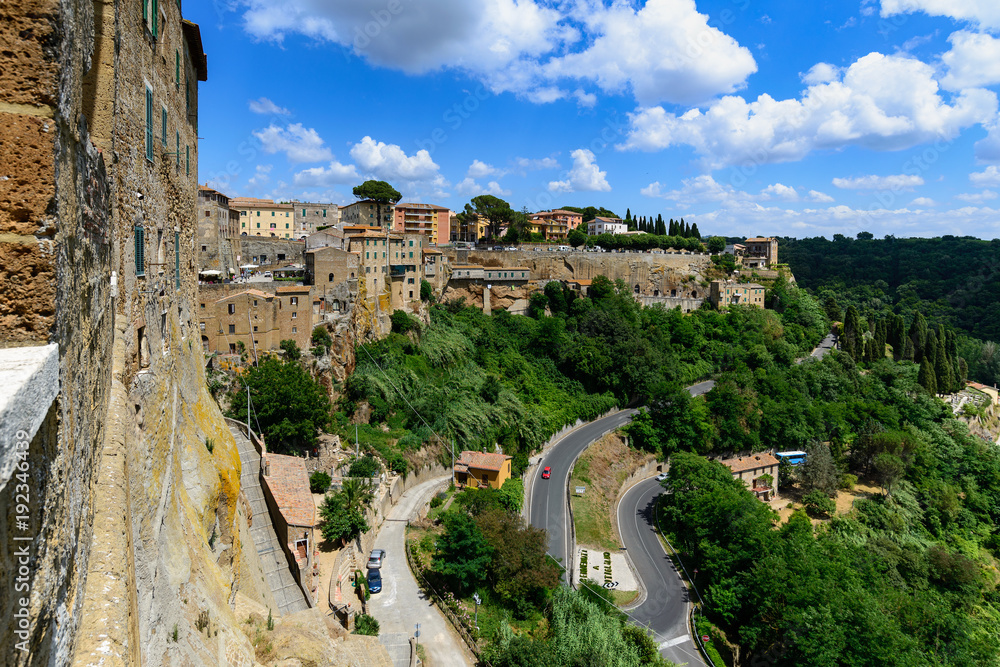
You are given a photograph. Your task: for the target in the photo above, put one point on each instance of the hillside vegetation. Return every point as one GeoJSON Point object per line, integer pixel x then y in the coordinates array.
{"type": "Point", "coordinates": [949, 280]}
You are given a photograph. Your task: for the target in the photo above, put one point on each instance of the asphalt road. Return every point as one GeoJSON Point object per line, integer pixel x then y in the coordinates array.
{"type": "Point", "coordinates": [824, 347]}
{"type": "Point", "coordinates": [549, 506]}
{"type": "Point", "coordinates": [401, 604]}
{"type": "Point", "coordinates": [663, 611]}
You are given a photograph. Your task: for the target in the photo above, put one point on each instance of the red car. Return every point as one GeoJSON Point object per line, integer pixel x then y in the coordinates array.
{"type": "Point", "coordinates": [546, 473]}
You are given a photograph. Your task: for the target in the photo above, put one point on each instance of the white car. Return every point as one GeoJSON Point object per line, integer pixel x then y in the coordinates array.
{"type": "Point", "coordinates": [376, 559]}
{"type": "Point", "coordinates": [267, 274]}
{"type": "Point", "coordinates": [662, 476]}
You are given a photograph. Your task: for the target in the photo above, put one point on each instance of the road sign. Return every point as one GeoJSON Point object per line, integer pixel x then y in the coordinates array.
{"type": "Point", "coordinates": [704, 638]}
{"type": "Point", "coordinates": [580, 490]}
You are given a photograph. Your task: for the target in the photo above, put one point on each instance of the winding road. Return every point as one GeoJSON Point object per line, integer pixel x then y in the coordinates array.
{"type": "Point", "coordinates": [665, 607]}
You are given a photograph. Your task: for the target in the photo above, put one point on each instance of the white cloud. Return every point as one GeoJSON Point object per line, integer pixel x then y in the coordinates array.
{"type": "Point", "coordinates": [585, 99]}
{"type": "Point", "coordinates": [664, 51]}
{"type": "Point", "coordinates": [390, 163]}
{"type": "Point", "coordinates": [779, 191]}
{"type": "Point", "coordinates": [978, 197]}
{"type": "Point", "coordinates": [528, 164]}
{"type": "Point", "coordinates": [584, 176]}
{"type": "Point", "coordinates": [325, 177]}
{"type": "Point", "coordinates": [988, 149]}
{"type": "Point", "coordinates": [267, 107]}
{"type": "Point", "coordinates": [820, 73]}
{"type": "Point", "coordinates": [478, 169]}
{"type": "Point", "coordinates": [984, 12]}
{"type": "Point", "coordinates": [880, 103]}
{"type": "Point", "coordinates": [923, 201]}
{"type": "Point", "coordinates": [973, 61]}
{"type": "Point", "coordinates": [297, 142]}
{"type": "Point", "coordinates": [261, 176]}
{"type": "Point", "coordinates": [990, 176]}
{"type": "Point", "coordinates": [894, 183]}
{"type": "Point", "coordinates": [820, 197]}
{"type": "Point", "coordinates": [469, 187]}
{"type": "Point", "coordinates": [698, 190]}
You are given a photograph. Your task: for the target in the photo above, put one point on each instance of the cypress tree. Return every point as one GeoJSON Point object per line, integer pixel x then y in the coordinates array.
{"type": "Point", "coordinates": [894, 336]}
{"type": "Point", "coordinates": [926, 377]}
{"type": "Point", "coordinates": [918, 334]}
{"type": "Point", "coordinates": [853, 343]}
{"type": "Point", "coordinates": [907, 349]}
{"type": "Point", "coordinates": [695, 234]}
{"type": "Point", "coordinates": [881, 334]}
{"type": "Point", "coordinates": [942, 365]}
{"type": "Point", "coordinates": [685, 229]}
{"type": "Point", "coordinates": [672, 231]}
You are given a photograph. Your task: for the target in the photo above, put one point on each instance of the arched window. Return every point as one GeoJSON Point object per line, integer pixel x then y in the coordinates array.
{"type": "Point", "coordinates": [330, 279]}
{"type": "Point", "coordinates": [656, 292]}
{"type": "Point", "coordinates": [694, 295]}
{"type": "Point", "coordinates": [637, 289]}
{"type": "Point", "coordinates": [673, 292]}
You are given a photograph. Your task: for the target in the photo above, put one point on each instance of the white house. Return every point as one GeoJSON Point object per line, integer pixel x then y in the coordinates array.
{"type": "Point", "coordinates": [606, 226]}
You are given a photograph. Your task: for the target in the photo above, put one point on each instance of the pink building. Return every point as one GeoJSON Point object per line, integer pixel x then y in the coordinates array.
{"type": "Point", "coordinates": [433, 222]}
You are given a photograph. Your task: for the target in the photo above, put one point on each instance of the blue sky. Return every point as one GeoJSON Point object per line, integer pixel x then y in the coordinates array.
{"type": "Point", "coordinates": [745, 116]}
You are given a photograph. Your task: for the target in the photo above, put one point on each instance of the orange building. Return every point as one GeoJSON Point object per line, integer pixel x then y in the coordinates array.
{"type": "Point", "coordinates": [482, 470]}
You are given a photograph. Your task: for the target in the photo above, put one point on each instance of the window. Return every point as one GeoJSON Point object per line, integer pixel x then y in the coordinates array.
{"type": "Point", "coordinates": [294, 301]}
{"type": "Point", "coordinates": [330, 279]}
{"type": "Point", "coordinates": [202, 326]}
{"type": "Point", "coordinates": [255, 303]}
{"type": "Point", "coordinates": [232, 328]}
{"type": "Point", "coordinates": [324, 212]}
{"type": "Point", "coordinates": [303, 212]}
{"type": "Point", "coordinates": [411, 294]}
{"type": "Point", "coordinates": [149, 123]}
{"type": "Point", "coordinates": [295, 330]}
{"type": "Point", "coordinates": [258, 225]}
{"type": "Point", "coordinates": [258, 215]}
{"type": "Point", "coordinates": [286, 225]}
{"type": "Point", "coordinates": [177, 259]}
{"type": "Point", "coordinates": [255, 328]}
{"type": "Point", "coordinates": [232, 348]}
{"type": "Point", "coordinates": [272, 214]}
{"type": "Point", "coordinates": [163, 129]}
{"type": "Point", "coordinates": [232, 309]}
{"type": "Point", "coordinates": [202, 306]}
{"type": "Point", "coordinates": [140, 251]}
{"type": "Point", "coordinates": [411, 245]}
{"type": "Point", "coordinates": [295, 316]}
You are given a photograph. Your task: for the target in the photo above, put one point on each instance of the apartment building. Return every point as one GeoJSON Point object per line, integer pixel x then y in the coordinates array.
{"type": "Point", "coordinates": [309, 218]}
{"type": "Point", "coordinates": [264, 217]}
{"type": "Point", "coordinates": [555, 225]}
{"type": "Point", "coordinates": [467, 232]}
{"type": "Point", "coordinates": [434, 222]}
{"type": "Point", "coordinates": [367, 212]}
{"type": "Point", "coordinates": [601, 225]}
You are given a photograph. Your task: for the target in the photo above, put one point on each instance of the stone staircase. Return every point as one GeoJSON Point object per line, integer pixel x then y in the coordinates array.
{"type": "Point", "coordinates": [286, 591]}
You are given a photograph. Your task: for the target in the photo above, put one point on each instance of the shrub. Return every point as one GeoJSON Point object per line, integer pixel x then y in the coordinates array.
{"type": "Point", "coordinates": [426, 291]}
{"type": "Point", "coordinates": [403, 323]}
{"type": "Point", "coordinates": [847, 481]}
{"type": "Point", "coordinates": [291, 349]}
{"type": "Point", "coordinates": [818, 504]}
{"type": "Point", "coordinates": [436, 501]}
{"type": "Point", "coordinates": [321, 337]}
{"type": "Point", "coordinates": [366, 466]}
{"type": "Point", "coordinates": [319, 482]}
{"type": "Point", "coordinates": [366, 625]}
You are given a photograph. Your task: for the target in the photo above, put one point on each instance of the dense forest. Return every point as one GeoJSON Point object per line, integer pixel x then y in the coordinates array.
{"type": "Point", "coordinates": [907, 577]}
{"type": "Point", "coordinates": [950, 280]}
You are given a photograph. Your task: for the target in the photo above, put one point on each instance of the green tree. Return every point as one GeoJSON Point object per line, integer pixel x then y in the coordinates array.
{"type": "Point", "coordinates": [927, 378]}
{"type": "Point", "coordinates": [291, 349]}
{"type": "Point", "coordinates": [380, 192]}
{"type": "Point", "coordinates": [818, 470]}
{"type": "Point", "coordinates": [342, 514]}
{"type": "Point", "coordinates": [853, 342]}
{"type": "Point", "coordinates": [463, 553]}
{"type": "Point", "coordinates": [520, 571]}
{"type": "Point", "coordinates": [288, 404]}
{"type": "Point", "coordinates": [319, 482]}
{"type": "Point", "coordinates": [577, 237]}
{"type": "Point", "coordinates": [495, 211]}
{"type": "Point", "coordinates": [366, 625]}
{"type": "Point", "coordinates": [321, 337]}
{"type": "Point", "coordinates": [426, 291]}
{"type": "Point", "coordinates": [716, 244]}
{"type": "Point", "coordinates": [888, 470]}
{"type": "Point", "coordinates": [403, 322]}
{"type": "Point", "coordinates": [818, 504]}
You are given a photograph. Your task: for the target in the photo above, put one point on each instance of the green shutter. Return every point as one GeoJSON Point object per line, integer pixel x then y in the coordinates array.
{"type": "Point", "coordinates": [140, 251]}
{"type": "Point", "coordinates": [163, 126]}
{"type": "Point", "coordinates": [177, 258]}
{"type": "Point", "coordinates": [149, 124]}
{"type": "Point", "coordinates": [145, 10]}
{"type": "Point", "coordinates": [156, 16]}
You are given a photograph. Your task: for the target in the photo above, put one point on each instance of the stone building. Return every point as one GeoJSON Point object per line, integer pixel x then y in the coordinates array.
{"type": "Point", "coordinates": [434, 222]}
{"type": "Point", "coordinates": [286, 491]}
{"type": "Point", "coordinates": [760, 253]}
{"type": "Point", "coordinates": [264, 217]}
{"type": "Point", "coordinates": [218, 234]}
{"type": "Point", "coordinates": [754, 471]}
{"type": "Point", "coordinates": [309, 218]}
{"type": "Point", "coordinates": [366, 212]}
{"type": "Point", "coordinates": [468, 232]}
{"type": "Point", "coordinates": [255, 321]}
{"type": "Point", "coordinates": [729, 292]}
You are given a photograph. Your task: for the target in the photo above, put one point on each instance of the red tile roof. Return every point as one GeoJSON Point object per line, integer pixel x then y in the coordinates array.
{"type": "Point", "coordinates": [752, 462]}
{"type": "Point", "coordinates": [481, 461]}
{"type": "Point", "coordinates": [289, 484]}
{"type": "Point", "coordinates": [293, 289]}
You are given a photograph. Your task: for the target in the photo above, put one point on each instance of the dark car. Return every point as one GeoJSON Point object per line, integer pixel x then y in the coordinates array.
{"type": "Point", "coordinates": [374, 581]}
{"type": "Point", "coordinates": [546, 473]}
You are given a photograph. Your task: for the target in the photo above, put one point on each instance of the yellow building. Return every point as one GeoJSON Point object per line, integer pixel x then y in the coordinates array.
{"type": "Point", "coordinates": [263, 217]}
{"type": "Point", "coordinates": [727, 293]}
{"type": "Point", "coordinates": [480, 470]}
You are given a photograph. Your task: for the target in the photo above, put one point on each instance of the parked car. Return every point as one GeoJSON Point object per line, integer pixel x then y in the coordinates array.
{"type": "Point", "coordinates": [374, 581]}
{"type": "Point", "coordinates": [376, 559]}
{"type": "Point", "coordinates": [510, 247]}
{"type": "Point", "coordinates": [267, 274]}
{"type": "Point", "coordinates": [547, 472]}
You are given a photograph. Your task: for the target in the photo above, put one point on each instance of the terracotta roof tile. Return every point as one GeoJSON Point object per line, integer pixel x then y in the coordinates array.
{"type": "Point", "coordinates": [289, 484]}
{"type": "Point", "coordinates": [752, 462]}
{"type": "Point", "coordinates": [481, 460]}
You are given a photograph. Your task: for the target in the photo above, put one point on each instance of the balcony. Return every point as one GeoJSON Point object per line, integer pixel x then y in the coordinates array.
{"type": "Point", "coordinates": [397, 270]}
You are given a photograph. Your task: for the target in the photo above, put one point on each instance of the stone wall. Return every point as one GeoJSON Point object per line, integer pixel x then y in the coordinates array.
{"type": "Point", "coordinates": [248, 247]}
{"type": "Point", "coordinates": [55, 265]}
